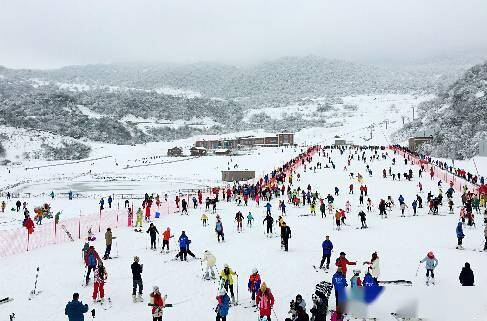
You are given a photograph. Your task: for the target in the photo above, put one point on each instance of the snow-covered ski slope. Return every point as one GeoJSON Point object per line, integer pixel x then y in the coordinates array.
{"type": "Point", "coordinates": [401, 242]}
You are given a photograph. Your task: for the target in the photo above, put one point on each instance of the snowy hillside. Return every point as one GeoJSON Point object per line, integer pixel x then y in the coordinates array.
{"type": "Point", "coordinates": [456, 118]}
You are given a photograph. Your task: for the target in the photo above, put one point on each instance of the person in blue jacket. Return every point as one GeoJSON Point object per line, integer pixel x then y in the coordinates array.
{"type": "Point", "coordinates": [414, 205]}
{"type": "Point", "coordinates": [110, 200]}
{"type": "Point", "coordinates": [400, 199]}
{"type": "Point", "coordinates": [327, 246]}
{"type": "Point", "coordinates": [460, 235]}
{"type": "Point", "coordinates": [340, 283]}
{"type": "Point", "coordinates": [183, 246]}
{"type": "Point", "coordinates": [223, 305]}
{"type": "Point", "coordinates": [75, 309]}
{"type": "Point", "coordinates": [268, 207]}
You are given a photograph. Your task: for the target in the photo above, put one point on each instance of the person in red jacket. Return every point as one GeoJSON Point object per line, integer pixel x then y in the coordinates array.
{"type": "Point", "coordinates": [265, 301]}
{"type": "Point", "coordinates": [342, 262]}
{"type": "Point", "coordinates": [91, 260]}
{"type": "Point", "coordinates": [157, 303]}
{"type": "Point", "coordinates": [29, 224]}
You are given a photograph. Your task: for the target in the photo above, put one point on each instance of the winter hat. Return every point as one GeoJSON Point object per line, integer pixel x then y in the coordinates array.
{"type": "Point", "coordinates": [342, 253]}
{"type": "Point", "coordinates": [467, 265]}
{"type": "Point", "coordinates": [356, 272]}
{"type": "Point", "coordinates": [222, 291]}
{"type": "Point", "coordinates": [374, 256]}
{"type": "Point", "coordinates": [136, 258]}
{"type": "Point", "coordinates": [431, 255]}
{"type": "Point", "coordinates": [155, 289]}
{"type": "Point", "coordinates": [226, 266]}
{"type": "Point", "coordinates": [254, 270]}
{"type": "Point", "coordinates": [263, 287]}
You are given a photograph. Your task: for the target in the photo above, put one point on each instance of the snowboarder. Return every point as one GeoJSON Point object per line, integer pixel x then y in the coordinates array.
{"type": "Point", "coordinates": [466, 276]}
{"type": "Point", "coordinates": [265, 301]}
{"type": "Point", "coordinates": [157, 302]}
{"type": "Point", "coordinates": [75, 309]}
{"type": "Point", "coordinates": [137, 279]}
{"type": "Point", "coordinates": [327, 247]}
{"type": "Point", "coordinates": [99, 286]}
{"type": "Point", "coordinates": [153, 234]}
{"type": "Point", "coordinates": [210, 260]}
{"type": "Point", "coordinates": [254, 284]}
{"type": "Point", "coordinates": [431, 264]}
{"type": "Point", "coordinates": [223, 305]}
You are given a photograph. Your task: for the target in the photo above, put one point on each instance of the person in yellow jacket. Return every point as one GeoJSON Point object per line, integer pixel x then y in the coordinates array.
{"type": "Point", "coordinates": [312, 208]}
{"type": "Point", "coordinates": [140, 214]}
{"type": "Point", "coordinates": [204, 218]}
{"type": "Point", "coordinates": [226, 277]}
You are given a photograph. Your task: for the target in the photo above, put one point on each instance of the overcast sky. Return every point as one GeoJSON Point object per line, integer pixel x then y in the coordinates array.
{"type": "Point", "coordinates": [53, 33]}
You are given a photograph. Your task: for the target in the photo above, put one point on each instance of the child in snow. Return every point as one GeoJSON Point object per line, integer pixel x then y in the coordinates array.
{"type": "Point", "coordinates": [431, 264]}
{"type": "Point", "coordinates": [99, 285]}
{"type": "Point", "coordinates": [250, 218]}
{"type": "Point", "coordinates": [460, 235]}
{"type": "Point", "coordinates": [204, 218]}
{"type": "Point", "coordinates": [223, 305]}
{"type": "Point", "coordinates": [210, 260]}
{"type": "Point", "coordinates": [254, 284]}
{"type": "Point", "coordinates": [157, 302]}
{"type": "Point", "coordinates": [265, 301]}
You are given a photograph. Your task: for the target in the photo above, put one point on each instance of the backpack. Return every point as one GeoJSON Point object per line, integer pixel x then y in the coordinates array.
{"type": "Point", "coordinates": [91, 259]}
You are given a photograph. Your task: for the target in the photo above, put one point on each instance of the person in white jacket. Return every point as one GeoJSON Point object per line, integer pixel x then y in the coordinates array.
{"type": "Point", "coordinates": [210, 260]}
{"type": "Point", "coordinates": [374, 267]}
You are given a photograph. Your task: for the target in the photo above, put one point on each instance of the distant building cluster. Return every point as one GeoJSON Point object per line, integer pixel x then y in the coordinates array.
{"type": "Point", "coordinates": [282, 139]}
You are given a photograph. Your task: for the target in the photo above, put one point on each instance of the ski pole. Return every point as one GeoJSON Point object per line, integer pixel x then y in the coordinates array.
{"type": "Point", "coordinates": [237, 287]}
{"type": "Point", "coordinates": [417, 270]}
{"type": "Point", "coordinates": [35, 283]}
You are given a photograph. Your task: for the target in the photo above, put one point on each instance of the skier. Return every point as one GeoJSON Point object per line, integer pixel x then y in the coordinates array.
{"type": "Point", "coordinates": [431, 264]}
{"type": "Point", "coordinates": [184, 206]}
{"type": "Point", "coordinates": [265, 301]}
{"type": "Point", "coordinates": [99, 285]}
{"type": "Point", "coordinates": [319, 309]}
{"type": "Point", "coordinates": [374, 268]}
{"type": "Point", "coordinates": [414, 205]}
{"type": "Point", "coordinates": [157, 302]}
{"type": "Point", "coordinates": [153, 234]}
{"type": "Point", "coordinates": [219, 229]}
{"type": "Point", "coordinates": [270, 221]}
{"type": "Point", "coordinates": [138, 222]}
{"type": "Point", "coordinates": [223, 305]}
{"type": "Point", "coordinates": [166, 235]}
{"type": "Point", "coordinates": [110, 200]}
{"type": "Point", "coordinates": [363, 219]}
{"type": "Point", "coordinates": [403, 207]}
{"type": "Point", "coordinates": [226, 277]}
{"type": "Point", "coordinates": [91, 259]}
{"type": "Point", "coordinates": [108, 240]}
{"type": "Point", "coordinates": [204, 218]}
{"type": "Point", "coordinates": [102, 202]}
{"type": "Point", "coordinates": [327, 247]}
{"type": "Point", "coordinates": [137, 279]}
{"type": "Point", "coordinates": [323, 209]}
{"type": "Point", "coordinates": [239, 218]}
{"type": "Point", "coordinates": [460, 235]}
{"type": "Point", "coordinates": [342, 262]}
{"type": "Point", "coordinates": [75, 309]}
{"type": "Point", "coordinates": [268, 207]}
{"type": "Point", "coordinates": [183, 246]}
{"type": "Point", "coordinates": [250, 218]}
{"type": "Point", "coordinates": [210, 260]}
{"type": "Point", "coordinates": [338, 215]}
{"type": "Point", "coordinates": [466, 276]}
{"type": "Point", "coordinates": [254, 284]}
{"type": "Point", "coordinates": [285, 236]}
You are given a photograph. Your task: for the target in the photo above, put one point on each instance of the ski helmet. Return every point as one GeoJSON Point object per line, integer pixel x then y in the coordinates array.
{"type": "Point", "coordinates": [226, 266]}
{"type": "Point", "coordinates": [136, 258]}
{"type": "Point", "coordinates": [431, 255]}
{"type": "Point", "coordinates": [254, 271]}
{"type": "Point", "coordinates": [155, 288]}
{"type": "Point", "coordinates": [222, 291]}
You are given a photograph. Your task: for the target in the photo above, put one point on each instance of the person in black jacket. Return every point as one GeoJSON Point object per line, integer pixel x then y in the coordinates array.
{"type": "Point", "coordinates": [466, 276]}
{"type": "Point", "coordinates": [285, 235]}
{"type": "Point", "coordinates": [137, 279]}
{"type": "Point", "coordinates": [153, 234]}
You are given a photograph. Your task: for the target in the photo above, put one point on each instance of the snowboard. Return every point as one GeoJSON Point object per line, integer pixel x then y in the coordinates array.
{"type": "Point", "coordinates": [396, 282]}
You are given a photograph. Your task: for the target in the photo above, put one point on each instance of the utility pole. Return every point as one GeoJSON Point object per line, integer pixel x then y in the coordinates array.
{"type": "Point", "coordinates": [403, 117]}
{"type": "Point", "coordinates": [413, 112]}
{"type": "Point", "coordinates": [386, 121]}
